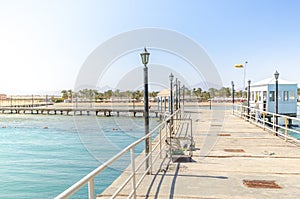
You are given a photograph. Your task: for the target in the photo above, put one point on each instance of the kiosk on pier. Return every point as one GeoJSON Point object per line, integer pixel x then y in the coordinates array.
{"type": "Point", "coordinates": [264, 93]}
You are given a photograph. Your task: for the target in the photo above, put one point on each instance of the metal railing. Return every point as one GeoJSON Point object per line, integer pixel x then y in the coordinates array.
{"type": "Point", "coordinates": [154, 153]}
{"type": "Point", "coordinates": [267, 121]}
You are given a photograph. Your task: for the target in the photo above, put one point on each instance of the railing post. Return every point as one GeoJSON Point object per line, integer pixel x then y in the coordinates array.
{"type": "Point", "coordinates": [170, 139]}
{"type": "Point", "coordinates": [160, 131]}
{"type": "Point", "coordinates": [192, 139]}
{"type": "Point", "coordinates": [245, 113]}
{"type": "Point", "coordinates": [249, 114]}
{"type": "Point", "coordinates": [133, 172]}
{"type": "Point", "coordinates": [241, 109]}
{"type": "Point", "coordinates": [150, 155]}
{"type": "Point", "coordinates": [264, 115]}
{"type": "Point", "coordinates": [273, 124]}
{"type": "Point", "coordinates": [255, 115]}
{"type": "Point", "coordinates": [91, 188]}
{"type": "Point", "coordinates": [286, 128]}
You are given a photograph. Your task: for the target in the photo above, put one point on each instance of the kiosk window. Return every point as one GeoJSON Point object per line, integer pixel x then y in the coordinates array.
{"type": "Point", "coordinates": [272, 96]}
{"type": "Point", "coordinates": [265, 95]}
{"type": "Point", "coordinates": [292, 95]}
{"type": "Point", "coordinates": [285, 96]}
{"type": "Point", "coordinates": [279, 95]}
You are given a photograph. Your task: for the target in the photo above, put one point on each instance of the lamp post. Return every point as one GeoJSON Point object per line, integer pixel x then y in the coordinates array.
{"type": "Point", "coordinates": [276, 74]}
{"type": "Point", "coordinates": [179, 94]}
{"type": "Point", "coordinates": [176, 94]}
{"type": "Point", "coordinates": [245, 77]}
{"type": "Point", "coordinates": [249, 82]}
{"type": "Point", "coordinates": [244, 67]}
{"type": "Point", "coordinates": [171, 77]}
{"type": "Point", "coordinates": [145, 59]}
{"type": "Point", "coordinates": [232, 84]}
{"type": "Point", "coordinates": [183, 91]}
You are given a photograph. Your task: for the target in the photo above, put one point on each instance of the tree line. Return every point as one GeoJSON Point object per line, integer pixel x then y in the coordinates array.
{"type": "Point", "coordinates": [93, 94]}
{"type": "Point", "coordinates": [195, 93]}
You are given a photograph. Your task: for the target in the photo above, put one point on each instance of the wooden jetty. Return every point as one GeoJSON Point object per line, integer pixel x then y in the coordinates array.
{"type": "Point", "coordinates": [74, 111]}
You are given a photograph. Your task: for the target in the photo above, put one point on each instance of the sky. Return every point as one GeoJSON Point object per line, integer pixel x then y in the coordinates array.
{"type": "Point", "coordinates": [44, 44]}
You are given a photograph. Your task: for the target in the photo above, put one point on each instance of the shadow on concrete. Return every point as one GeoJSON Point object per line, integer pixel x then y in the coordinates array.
{"type": "Point", "coordinates": [200, 176]}
{"type": "Point", "coordinates": [174, 181]}
{"type": "Point", "coordinates": [162, 173]}
{"type": "Point", "coordinates": [161, 180]}
{"type": "Point", "coordinates": [183, 159]}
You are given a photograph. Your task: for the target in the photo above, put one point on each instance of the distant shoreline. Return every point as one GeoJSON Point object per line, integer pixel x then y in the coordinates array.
{"type": "Point", "coordinates": [14, 103]}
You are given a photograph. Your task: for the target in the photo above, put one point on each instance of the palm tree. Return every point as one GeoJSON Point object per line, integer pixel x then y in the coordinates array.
{"type": "Point", "coordinates": [64, 94]}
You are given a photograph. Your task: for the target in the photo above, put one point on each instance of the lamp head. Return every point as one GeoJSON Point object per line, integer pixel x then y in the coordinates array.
{"type": "Point", "coordinates": [171, 77]}
{"type": "Point", "coordinates": [145, 56]}
{"type": "Point", "coordinates": [276, 74]}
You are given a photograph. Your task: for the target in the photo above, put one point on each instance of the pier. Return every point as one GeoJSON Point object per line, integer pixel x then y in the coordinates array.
{"type": "Point", "coordinates": [75, 111]}
{"type": "Point", "coordinates": [244, 162]}
{"type": "Point", "coordinates": [233, 157]}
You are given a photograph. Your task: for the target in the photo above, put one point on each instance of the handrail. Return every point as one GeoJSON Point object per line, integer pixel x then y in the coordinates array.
{"type": "Point", "coordinates": [89, 178]}
{"type": "Point", "coordinates": [258, 117]}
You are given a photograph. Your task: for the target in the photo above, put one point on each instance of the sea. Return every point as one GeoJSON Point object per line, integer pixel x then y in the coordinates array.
{"type": "Point", "coordinates": [42, 155]}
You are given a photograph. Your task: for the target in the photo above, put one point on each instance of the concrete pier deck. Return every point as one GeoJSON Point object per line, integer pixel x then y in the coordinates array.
{"type": "Point", "coordinates": [233, 159]}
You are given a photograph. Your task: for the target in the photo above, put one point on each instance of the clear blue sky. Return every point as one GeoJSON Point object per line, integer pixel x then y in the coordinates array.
{"type": "Point", "coordinates": [43, 44]}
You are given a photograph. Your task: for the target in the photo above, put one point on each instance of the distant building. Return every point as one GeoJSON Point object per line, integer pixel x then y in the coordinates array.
{"type": "Point", "coordinates": [3, 96]}
{"type": "Point", "coordinates": [264, 93]}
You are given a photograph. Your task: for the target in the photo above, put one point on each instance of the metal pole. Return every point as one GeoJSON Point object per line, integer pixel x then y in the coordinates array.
{"type": "Point", "coordinates": [165, 103]}
{"type": "Point", "coordinates": [183, 90]}
{"type": "Point", "coordinates": [276, 106]}
{"type": "Point", "coordinates": [244, 79]}
{"type": "Point", "coordinates": [146, 112]}
{"type": "Point", "coordinates": [171, 100]}
{"type": "Point", "coordinates": [248, 96]}
{"type": "Point", "coordinates": [176, 94]}
{"type": "Point", "coordinates": [133, 172]}
{"type": "Point", "coordinates": [179, 94]}
{"type": "Point", "coordinates": [133, 102]}
{"type": "Point", "coordinates": [232, 96]}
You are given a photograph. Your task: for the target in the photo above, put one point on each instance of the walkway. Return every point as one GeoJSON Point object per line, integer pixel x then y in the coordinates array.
{"type": "Point", "coordinates": [233, 159]}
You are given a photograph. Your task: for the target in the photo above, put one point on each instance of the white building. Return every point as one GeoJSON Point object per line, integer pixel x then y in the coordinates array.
{"type": "Point", "coordinates": [264, 93]}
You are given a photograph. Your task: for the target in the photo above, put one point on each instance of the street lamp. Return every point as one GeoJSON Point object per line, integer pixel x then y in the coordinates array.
{"type": "Point", "coordinates": [145, 59]}
{"type": "Point", "coordinates": [176, 94]}
{"type": "Point", "coordinates": [276, 74]}
{"type": "Point", "coordinates": [183, 91]}
{"type": "Point", "coordinates": [249, 82]}
{"type": "Point", "coordinates": [245, 75]}
{"type": "Point", "coordinates": [179, 94]}
{"type": "Point", "coordinates": [232, 84]}
{"type": "Point", "coordinates": [171, 77]}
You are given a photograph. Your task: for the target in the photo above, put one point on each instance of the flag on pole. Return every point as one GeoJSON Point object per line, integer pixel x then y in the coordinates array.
{"type": "Point", "coordinates": [239, 66]}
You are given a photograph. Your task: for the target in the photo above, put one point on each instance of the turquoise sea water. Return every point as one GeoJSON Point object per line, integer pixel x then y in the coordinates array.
{"type": "Point", "coordinates": [41, 156]}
